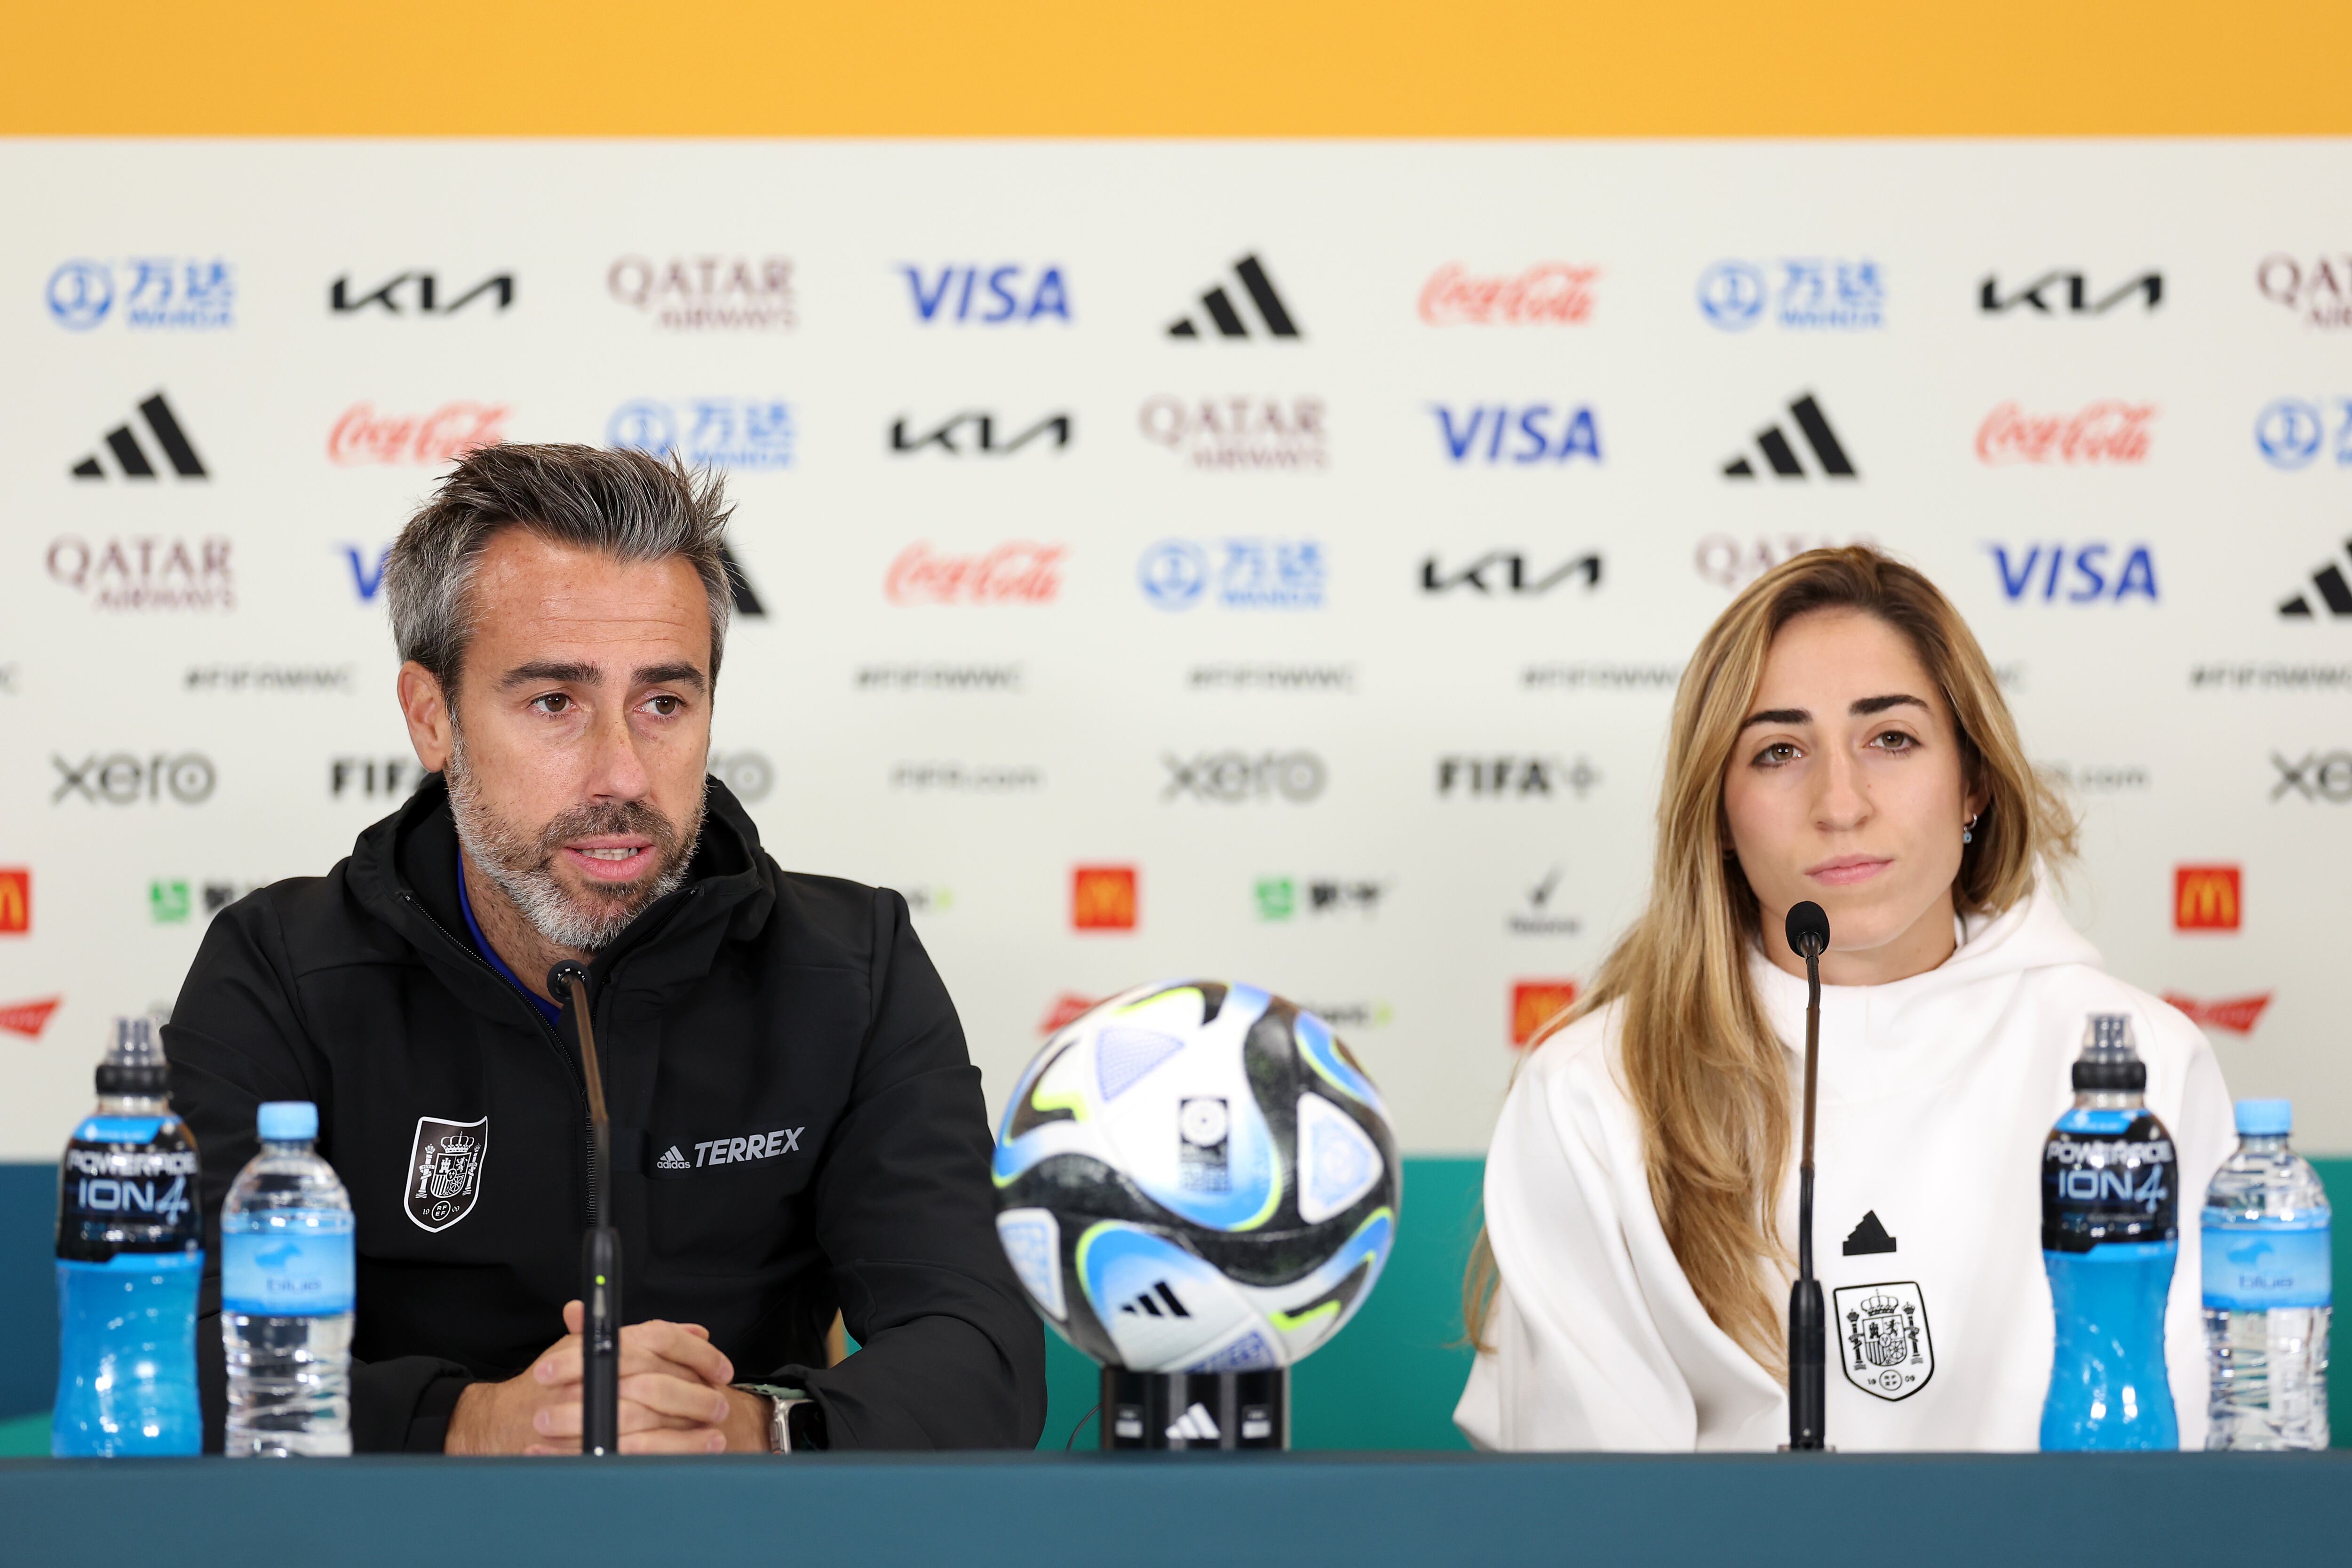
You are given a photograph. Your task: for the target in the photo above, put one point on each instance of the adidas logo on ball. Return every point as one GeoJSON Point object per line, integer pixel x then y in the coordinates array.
{"type": "Point", "coordinates": [1147, 1303]}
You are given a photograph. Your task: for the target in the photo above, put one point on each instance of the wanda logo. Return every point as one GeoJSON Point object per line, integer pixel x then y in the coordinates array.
{"type": "Point", "coordinates": [1550, 291]}
{"type": "Point", "coordinates": [2108, 431]}
{"type": "Point", "coordinates": [1020, 572]}
{"type": "Point", "coordinates": [443, 435]}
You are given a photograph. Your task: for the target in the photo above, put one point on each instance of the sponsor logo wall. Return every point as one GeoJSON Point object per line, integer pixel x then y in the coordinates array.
{"type": "Point", "coordinates": [1306, 536]}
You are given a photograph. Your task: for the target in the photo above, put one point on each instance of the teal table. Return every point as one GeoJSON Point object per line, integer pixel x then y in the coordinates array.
{"type": "Point", "coordinates": [1196, 1511]}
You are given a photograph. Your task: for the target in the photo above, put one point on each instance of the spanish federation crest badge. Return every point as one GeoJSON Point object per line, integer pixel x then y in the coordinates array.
{"type": "Point", "coordinates": [1887, 1349]}
{"type": "Point", "coordinates": [445, 1171]}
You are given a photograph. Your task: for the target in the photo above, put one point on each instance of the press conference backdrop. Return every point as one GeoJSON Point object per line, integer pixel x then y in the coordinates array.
{"type": "Point", "coordinates": [1262, 561]}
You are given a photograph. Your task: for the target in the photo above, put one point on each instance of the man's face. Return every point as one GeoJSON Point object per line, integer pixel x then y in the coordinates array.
{"type": "Point", "coordinates": [580, 732]}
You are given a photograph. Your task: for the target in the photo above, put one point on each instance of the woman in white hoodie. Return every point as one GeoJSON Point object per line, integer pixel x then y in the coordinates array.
{"type": "Point", "coordinates": [1837, 737]}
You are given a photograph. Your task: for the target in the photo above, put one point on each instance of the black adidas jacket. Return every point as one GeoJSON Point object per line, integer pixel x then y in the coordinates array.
{"type": "Point", "coordinates": [790, 1022]}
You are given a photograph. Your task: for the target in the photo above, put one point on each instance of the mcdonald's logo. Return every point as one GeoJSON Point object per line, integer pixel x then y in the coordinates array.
{"type": "Point", "coordinates": [16, 900]}
{"type": "Point", "coordinates": [2206, 898]}
{"type": "Point", "coordinates": [1534, 1004]}
{"type": "Point", "coordinates": [1102, 897]}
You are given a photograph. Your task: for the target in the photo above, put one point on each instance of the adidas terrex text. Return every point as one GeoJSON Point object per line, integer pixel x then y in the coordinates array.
{"type": "Point", "coordinates": [730, 1150]}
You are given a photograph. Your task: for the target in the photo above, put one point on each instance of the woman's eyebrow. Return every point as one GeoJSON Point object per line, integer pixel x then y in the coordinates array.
{"type": "Point", "coordinates": [1869, 705]}
{"type": "Point", "coordinates": [1794, 715]}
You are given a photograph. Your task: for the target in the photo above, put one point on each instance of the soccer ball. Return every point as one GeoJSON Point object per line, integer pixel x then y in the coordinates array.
{"type": "Point", "coordinates": [1196, 1177]}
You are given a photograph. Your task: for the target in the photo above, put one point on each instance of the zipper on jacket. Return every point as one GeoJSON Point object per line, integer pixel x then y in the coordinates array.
{"type": "Point", "coordinates": [555, 1043]}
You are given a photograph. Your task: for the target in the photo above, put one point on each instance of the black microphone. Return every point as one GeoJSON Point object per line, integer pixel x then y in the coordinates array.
{"type": "Point", "coordinates": [1809, 937]}
{"type": "Point", "coordinates": [599, 1249]}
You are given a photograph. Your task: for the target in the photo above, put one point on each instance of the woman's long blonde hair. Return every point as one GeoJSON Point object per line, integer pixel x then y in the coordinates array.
{"type": "Point", "coordinates": [1707, 1076]}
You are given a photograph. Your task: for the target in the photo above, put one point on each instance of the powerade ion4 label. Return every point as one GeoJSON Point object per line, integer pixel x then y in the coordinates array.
{"type": "Point", "coordinates": [287, 1263]}
{"type": "Point", "coordinates": [128, 1183]}
{"type": "Point", "coordinates": [2253, 1268]}
{"type": "Point", "coordinates": [2108, 1176]}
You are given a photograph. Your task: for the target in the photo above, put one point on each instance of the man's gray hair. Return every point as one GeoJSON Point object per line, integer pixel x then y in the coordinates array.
{"type": "Point", "coordinates": [628, 505]}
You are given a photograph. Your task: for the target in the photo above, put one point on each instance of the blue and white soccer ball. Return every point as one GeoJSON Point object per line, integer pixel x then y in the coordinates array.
{"type": "Point", "coordinates": [1196, 1177]}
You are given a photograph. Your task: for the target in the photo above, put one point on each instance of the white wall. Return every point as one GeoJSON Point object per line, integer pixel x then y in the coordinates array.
{"type": "Point", "coordinates": [1070, 767]}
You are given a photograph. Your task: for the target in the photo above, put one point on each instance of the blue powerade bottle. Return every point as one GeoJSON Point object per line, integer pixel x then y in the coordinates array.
{"type": "Point", "coordinates": [130, 1253]}
{"type": "Point", "coordinates": [2110, 1236]}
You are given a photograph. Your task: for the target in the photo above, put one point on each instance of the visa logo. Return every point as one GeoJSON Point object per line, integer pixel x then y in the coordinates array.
{"type": "Point", "coordinates": [2083, 571]}
{"type": "Point", "coordinates": [991, 295]}
{"type": "Point", "coordinates": [368, 580]}
{"type": "Point", "coordinates": [1536, 432]}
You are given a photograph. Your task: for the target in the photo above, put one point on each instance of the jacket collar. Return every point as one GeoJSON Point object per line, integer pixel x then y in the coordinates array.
{"type": "Point", "coordinates": [404, 870]}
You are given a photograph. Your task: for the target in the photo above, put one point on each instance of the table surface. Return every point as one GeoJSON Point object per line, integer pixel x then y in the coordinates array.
{"type": "Point", "coordinates": [1194, 1510]}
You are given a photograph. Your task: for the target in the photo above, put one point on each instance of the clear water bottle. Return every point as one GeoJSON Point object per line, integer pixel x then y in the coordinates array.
{"type": "Point", "coordinates": [286, 1288]}
{"type": "Point", "coordinates": [2267, 1289]}
{"type": "Point", "coordinates": [2110, 1238]}
{"type": "Point", "coordinates": [130, 1252]}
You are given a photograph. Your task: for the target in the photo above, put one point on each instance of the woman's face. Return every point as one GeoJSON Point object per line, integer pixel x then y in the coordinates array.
{"type": "Point", "coordinates": [1844, 788]}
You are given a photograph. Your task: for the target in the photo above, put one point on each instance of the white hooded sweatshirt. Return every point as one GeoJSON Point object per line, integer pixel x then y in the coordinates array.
{"type": "Point", "coordinates": [1935, 1094]}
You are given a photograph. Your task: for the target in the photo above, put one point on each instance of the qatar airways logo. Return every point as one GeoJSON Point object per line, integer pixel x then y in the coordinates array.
{"type": "Point", "coordinates": [131, 572]}
{"type": "Point", "coordinates": [2318, 289]}
{"type": "Point", "coordinates": [707, 293]}
{"type": "Point", "coordinates": [362, 436]}
{"type": "Point", "coordinates": [1240, 432]}
{"type": "Point", "coordinates": [1021, 572]}
{"type": "Point", "coordinates": [1550, 293]}
{"type": "Point", "coordinates": [2107, 431]}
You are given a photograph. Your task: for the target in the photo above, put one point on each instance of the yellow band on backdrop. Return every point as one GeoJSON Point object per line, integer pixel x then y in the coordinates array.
{"type": "Point", "coordinates": [1177, 68]}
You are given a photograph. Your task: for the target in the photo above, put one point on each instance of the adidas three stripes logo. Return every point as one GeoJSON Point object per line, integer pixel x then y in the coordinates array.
{"type": "Point", "coordinates": [1148, 1305]}
{"type": "Point", "coordinates": [1195, 1425]}
{"type": "Point", "coordinates": [2329, 588]}
{"type": "Point", "coordinates": [1226, 316]}
{"type": "Point", "coordinates": [130, 457]}
{"type": "Point", "coordinates": [1781, 455]}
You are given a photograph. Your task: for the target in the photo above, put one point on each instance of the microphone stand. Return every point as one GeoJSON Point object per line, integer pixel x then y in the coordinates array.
{"type": "Point", "coordinates": [1808, 1332]}
{"type": "Point", "coordinates": [599, 1249]}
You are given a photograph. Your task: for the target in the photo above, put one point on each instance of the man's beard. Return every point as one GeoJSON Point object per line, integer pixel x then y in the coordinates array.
{"type": "Point", "coordinates": [523, 865]}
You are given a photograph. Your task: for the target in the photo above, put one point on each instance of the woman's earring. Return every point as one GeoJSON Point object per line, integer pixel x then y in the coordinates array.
{"type": "Point", "coordinates": [1968, 830]}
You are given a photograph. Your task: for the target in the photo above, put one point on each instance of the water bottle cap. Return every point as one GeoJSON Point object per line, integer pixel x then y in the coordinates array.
{"type": "Point", "coordinates": [2265, 1118]}
{"type": "Point", "coordinates": [134, 1060]}
{"type": "Point", "coordinates": [2108, 1061]}
{"type": "Point", "coordinates": [288, 1121]}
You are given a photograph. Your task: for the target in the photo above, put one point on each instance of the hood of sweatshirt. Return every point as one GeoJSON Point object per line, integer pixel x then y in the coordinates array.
{"type": "Point", "coordinates": [1879, 1040]}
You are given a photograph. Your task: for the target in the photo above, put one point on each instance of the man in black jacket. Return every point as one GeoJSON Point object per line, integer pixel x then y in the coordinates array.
{"type": "Point", "coordinates": [797, 1128]}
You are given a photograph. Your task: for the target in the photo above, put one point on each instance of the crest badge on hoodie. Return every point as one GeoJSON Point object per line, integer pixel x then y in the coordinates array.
{"type": "Point", "coordinates": [445, 1171]}
{"type": "Point", "coordinates": [1883, 1329]}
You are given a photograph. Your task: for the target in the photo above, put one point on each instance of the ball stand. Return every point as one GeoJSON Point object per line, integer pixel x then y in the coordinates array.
{"type": "Point", "coordinates": [1228, 1410]}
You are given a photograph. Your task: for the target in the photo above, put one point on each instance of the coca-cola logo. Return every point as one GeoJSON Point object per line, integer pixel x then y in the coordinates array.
{"type": "Point", "coordinates": [1550, 291]}
{"type": "Point", "coordinates": [2108, 431]}
{"type": "Point", "coordinates": [1021, 572]}
{"type": "Point", "coordinates": [443, 435]}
